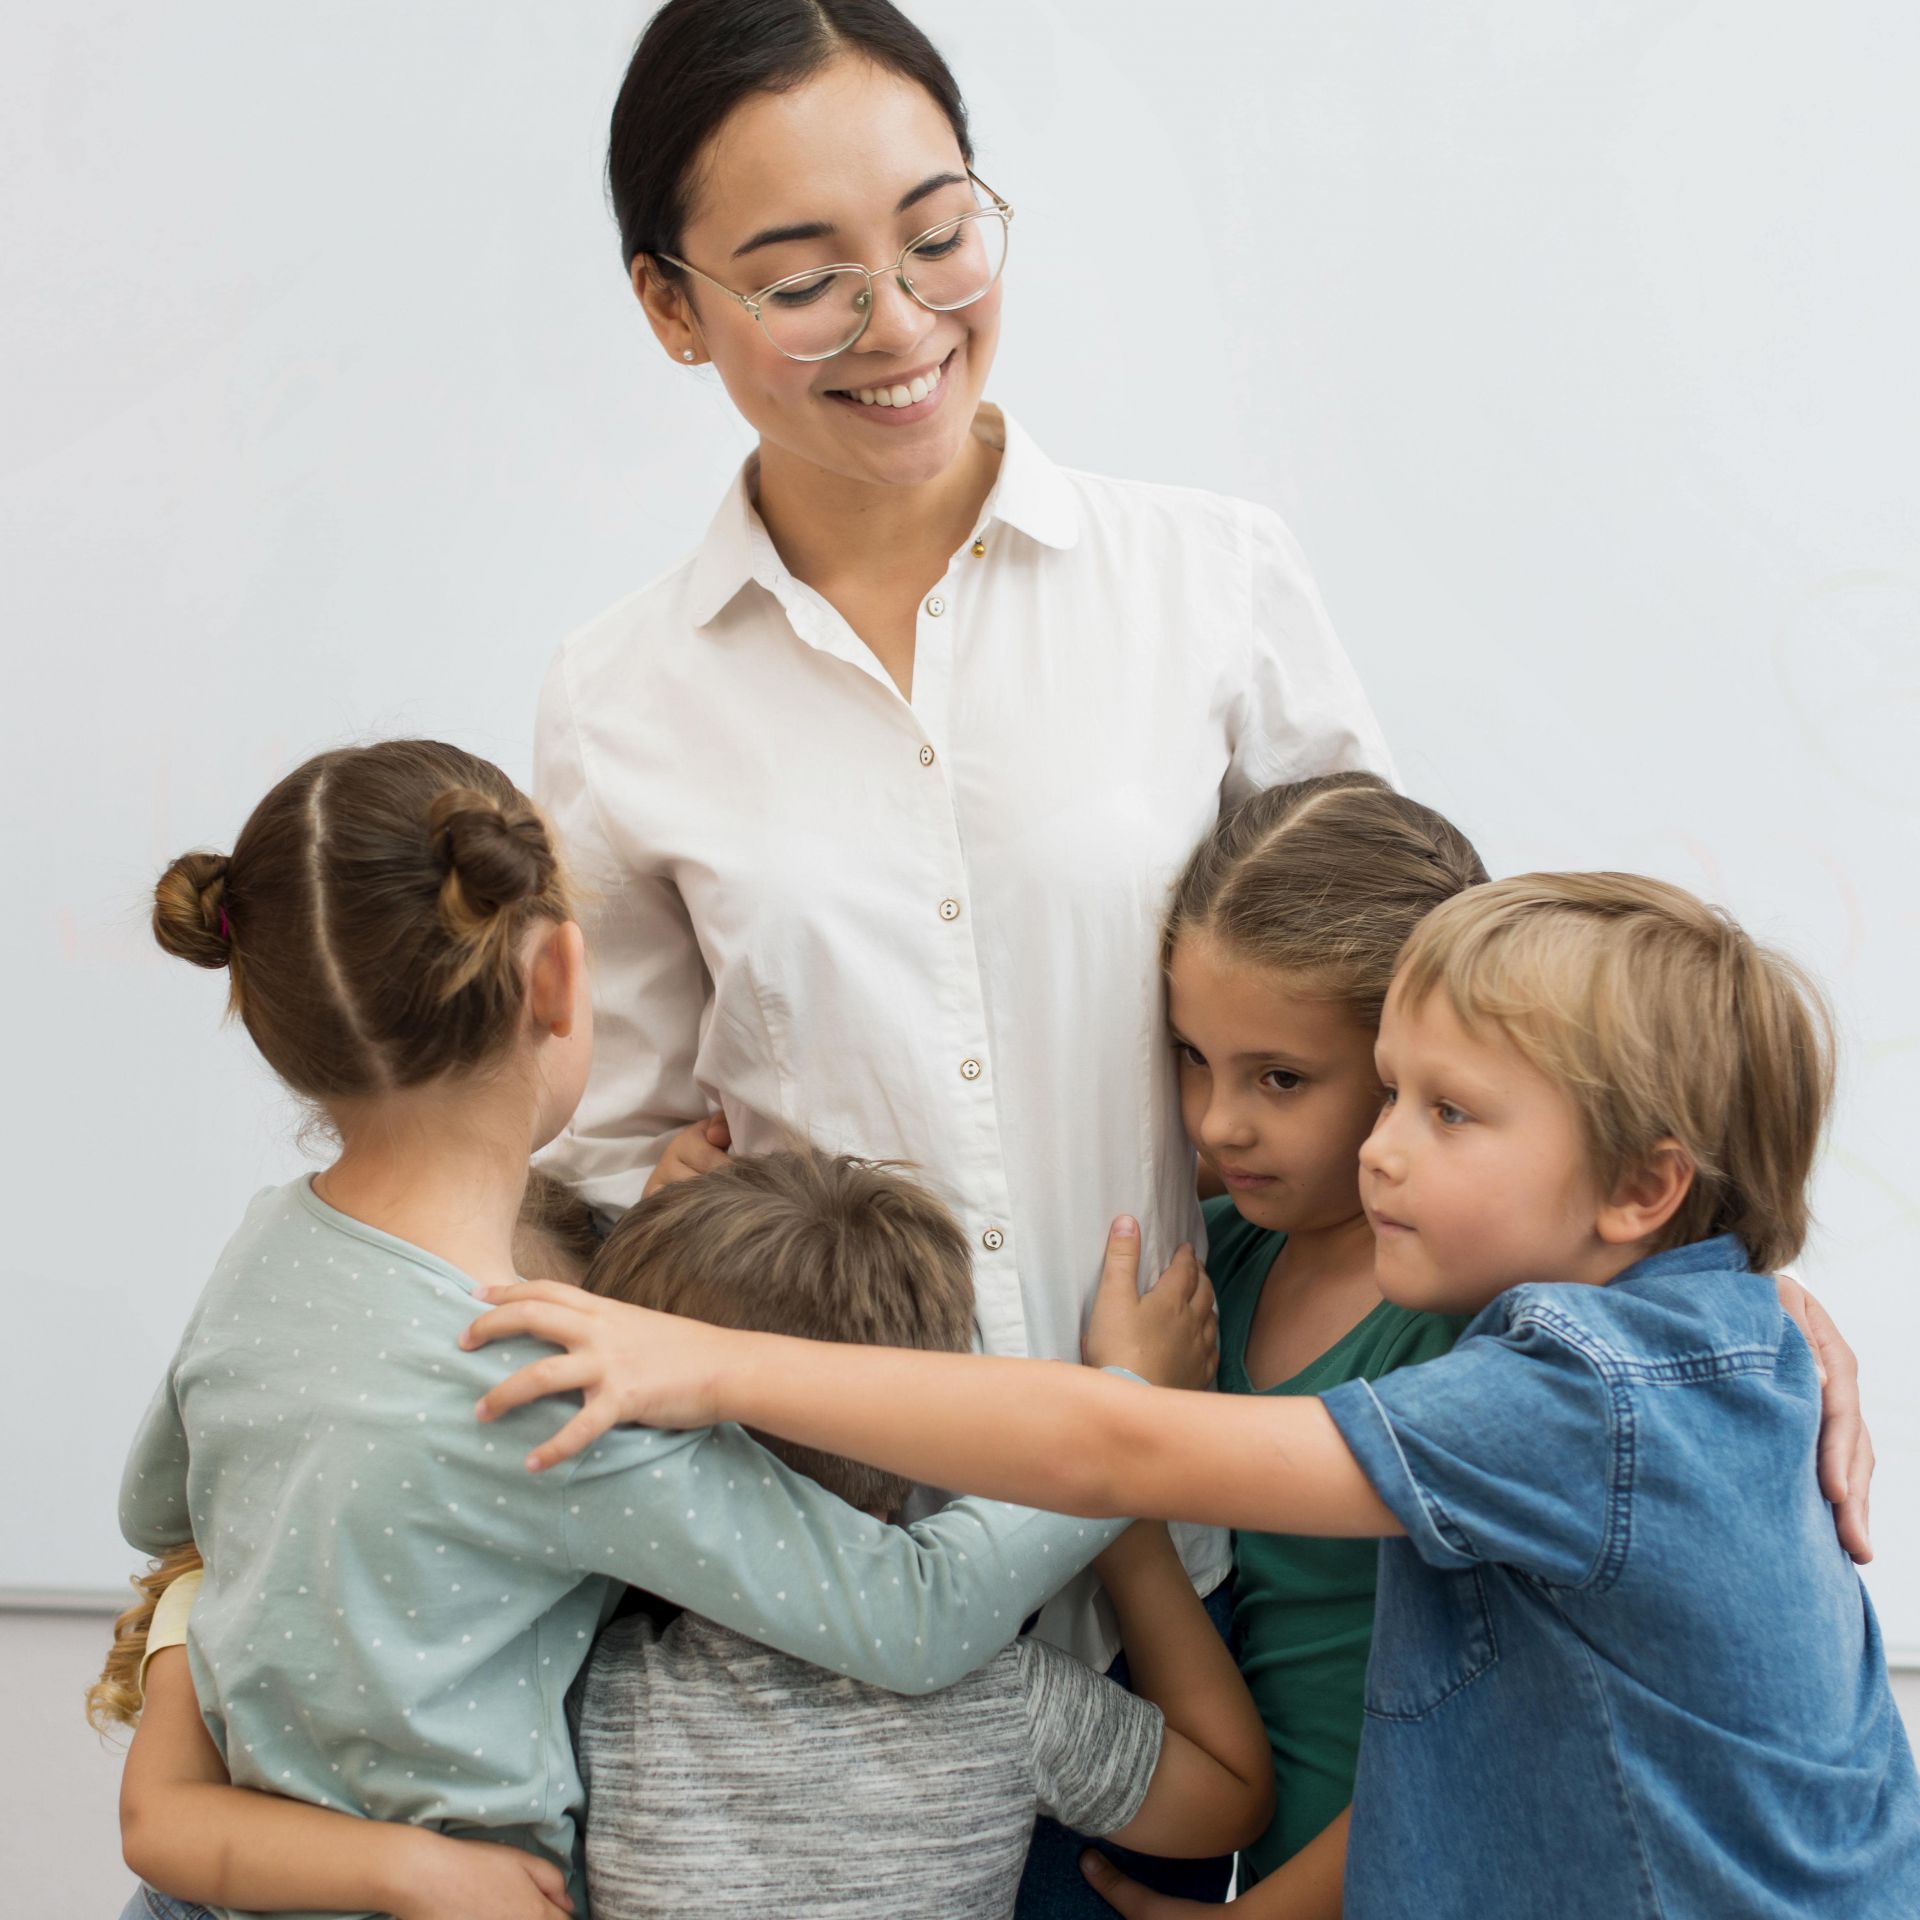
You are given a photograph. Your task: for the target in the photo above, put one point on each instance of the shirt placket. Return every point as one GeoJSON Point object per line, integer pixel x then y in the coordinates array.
{"type": "Point", "coordinates": [960, 1055]}
{"type": "Point", "coordinates": [979, 1162]}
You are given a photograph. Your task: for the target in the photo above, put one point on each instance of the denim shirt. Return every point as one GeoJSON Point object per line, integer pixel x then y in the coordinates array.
{"type": "Point", "coordinates": [1621, 1664]}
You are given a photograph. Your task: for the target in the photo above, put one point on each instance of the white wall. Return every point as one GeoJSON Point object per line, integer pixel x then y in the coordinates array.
{"type": "Point", "coordinates": [1576, 342]}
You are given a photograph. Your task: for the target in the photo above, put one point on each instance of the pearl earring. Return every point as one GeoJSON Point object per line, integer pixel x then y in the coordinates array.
{"type": "Point", "coordinates": [686, 353]}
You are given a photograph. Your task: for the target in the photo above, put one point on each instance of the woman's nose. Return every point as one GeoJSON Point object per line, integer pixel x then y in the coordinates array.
{"type": "Point", "coordinates": [897, 322]}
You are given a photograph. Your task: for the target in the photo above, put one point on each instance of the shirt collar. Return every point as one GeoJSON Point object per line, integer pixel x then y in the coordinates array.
{"type": "Point", "coordinates": [1721, 1254]}
{"type": "Point", "coordinates": [1030, 494]}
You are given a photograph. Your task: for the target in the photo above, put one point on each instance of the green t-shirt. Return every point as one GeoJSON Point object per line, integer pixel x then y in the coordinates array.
{"type": "Point", "coordinates": [1303, 1609]}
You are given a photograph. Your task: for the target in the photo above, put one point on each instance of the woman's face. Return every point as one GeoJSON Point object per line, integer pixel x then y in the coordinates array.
{"type": "Point", "coordinates": [866, 161]}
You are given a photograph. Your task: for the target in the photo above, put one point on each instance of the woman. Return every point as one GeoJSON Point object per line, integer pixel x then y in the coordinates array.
{"type": "Point", "coordinates": [881, 789]}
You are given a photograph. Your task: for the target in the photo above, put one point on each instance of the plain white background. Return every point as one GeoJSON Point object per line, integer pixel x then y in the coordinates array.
{"type": "Point", "coordinates": [1574, 342]}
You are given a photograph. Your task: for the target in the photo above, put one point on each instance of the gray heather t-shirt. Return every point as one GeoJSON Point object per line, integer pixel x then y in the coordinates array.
{"type": "Point", "coordinates": [725, 1779]}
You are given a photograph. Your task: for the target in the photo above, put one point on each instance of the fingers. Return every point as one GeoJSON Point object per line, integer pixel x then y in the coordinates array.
{"type": "Point", "coordinates": [1846, 1447]}
{"type": "Point", "coordinates": [1182, 1276]}
{"type": "Point", "coordinates": [1120, 1271]}
{"type": "Point", "coordinates": [586, 1426]}
{"type": "Point", "coordinates": [1124, 1895]}
{"type": "Point", "coordinates": [551, 1881]}
{"type": "Point", "coordinates": [1850, 1515]}
{"type": "Point", "coordinates": [562, 1323]}
{"type": "Point", "coordinates": [558, 1373]}
{"type": "Point", "coordinates": [719, 1134]}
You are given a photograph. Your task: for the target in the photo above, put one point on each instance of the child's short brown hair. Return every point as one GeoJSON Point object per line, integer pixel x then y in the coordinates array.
{"type": "Point", "coordinates": [1662, 1019]}
{"type": "Point", "coordinates": [819, 1245]}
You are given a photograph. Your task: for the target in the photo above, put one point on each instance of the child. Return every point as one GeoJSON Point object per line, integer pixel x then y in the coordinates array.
{"type": "Point", "coordinates": [1620, 1663]}
{"type": "Point", "coordinates": [1277, 948]}
{"type": "Point", "coordinates": [704, 1754]}
{"type": "Point", "coordinates": [391, 1613]}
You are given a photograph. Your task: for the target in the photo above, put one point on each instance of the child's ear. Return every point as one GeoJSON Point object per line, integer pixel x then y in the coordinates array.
{"type": "Point", "coordinates": [554, 971]}
{"type": "Point", "coordinates": [1648, 1197]}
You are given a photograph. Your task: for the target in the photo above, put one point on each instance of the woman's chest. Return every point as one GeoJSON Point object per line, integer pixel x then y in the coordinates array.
{"type": "Point", "coordinates": [1036, 760]}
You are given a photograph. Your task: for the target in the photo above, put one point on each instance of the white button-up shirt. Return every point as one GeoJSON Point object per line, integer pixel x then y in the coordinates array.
{"type": "Point", "coordinates": [927, 930]}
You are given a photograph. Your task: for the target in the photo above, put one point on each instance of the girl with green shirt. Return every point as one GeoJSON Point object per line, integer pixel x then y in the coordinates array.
{"type": "Point", "coordinates": [1278, 949]}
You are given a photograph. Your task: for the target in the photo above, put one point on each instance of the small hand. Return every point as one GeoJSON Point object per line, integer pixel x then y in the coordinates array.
{"type": "Point", "coordinates": [1131, 1898]}
{"type": "Point", "coordinates": [1846, 1447]}
{"type": "Point", "coordinates": [1170, 1335]}
{"type": "Point", "coordinates": [626, 1363]}
{"type": "Point", "coordinates": [476, 1880]}
{"type": "Point", "coordinates": [691, 1152]}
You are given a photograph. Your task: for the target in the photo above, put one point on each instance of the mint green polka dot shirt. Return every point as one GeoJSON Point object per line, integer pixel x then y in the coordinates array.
{"type": "Point", "coordinates": [394, 1608]}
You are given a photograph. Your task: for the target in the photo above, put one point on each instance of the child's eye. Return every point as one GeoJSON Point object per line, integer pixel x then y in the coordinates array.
{"type": "Point", "coordinates": [1387, 1098]}
{"type": "Point", "coordinates": [1448, 1114]}
{"type": "Point", "coordinates": [1188, 1056]}
{"type": "Point", "coordinates": [1281, 1080]}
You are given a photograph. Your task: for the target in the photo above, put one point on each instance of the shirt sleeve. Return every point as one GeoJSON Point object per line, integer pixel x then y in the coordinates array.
{"type": "Point", "coordinates": [713, 1522]}
{"type": "Point", "coordinates": [650, 985]}
{"type": "Point", "coordinates": [168, 1628]}
{"type": "Point", "coordinates": [1509, 1449]}
{"type": "Point", "coordinates": [1300, 710]}
{"type": "Point", "coordinates": [1093, 1745]}
{"type": "Point", "coordinates": [153, 1488]}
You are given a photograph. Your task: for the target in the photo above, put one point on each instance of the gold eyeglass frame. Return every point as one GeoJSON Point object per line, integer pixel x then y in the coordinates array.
{"type": "Point", "coordinates": [1000, 211]}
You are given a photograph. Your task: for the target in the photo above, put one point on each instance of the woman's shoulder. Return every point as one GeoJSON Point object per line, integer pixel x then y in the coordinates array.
{"type": "Point", "coordinates": [1223, 519]}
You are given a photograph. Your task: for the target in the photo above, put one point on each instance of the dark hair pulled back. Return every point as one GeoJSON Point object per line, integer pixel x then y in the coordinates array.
{"type": "Point", "coordinates": [698, 59]}
{"type": "Point", "coordinates": [370, 916]}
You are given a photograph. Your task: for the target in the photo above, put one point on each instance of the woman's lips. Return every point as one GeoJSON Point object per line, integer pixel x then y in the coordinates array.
{"type": "Point", "coordinates": [894, 415]}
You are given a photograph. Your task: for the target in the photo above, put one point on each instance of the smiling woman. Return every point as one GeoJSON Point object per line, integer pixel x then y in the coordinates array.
{"type": "Point", "coordinates": [880, 793]}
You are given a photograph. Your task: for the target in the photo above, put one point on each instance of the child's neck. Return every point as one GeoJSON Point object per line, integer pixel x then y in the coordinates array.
{"type": "Point", "coordinates": [1320, 1287]}
{"type": "Point", "coordinates": [453, 1188]}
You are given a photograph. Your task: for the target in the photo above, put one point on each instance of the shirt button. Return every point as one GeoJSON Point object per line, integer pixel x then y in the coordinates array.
{"type": "Point", "coordinates": [926, 756]}
{"type": "Point", "coordinates": [970, 1069]}
{"type": "Point", "coordinates": [993, 1239]}
{"type": "Point", "coordinates": [935, 605]}
{"type": "Point", "coordinates": [949, 909]}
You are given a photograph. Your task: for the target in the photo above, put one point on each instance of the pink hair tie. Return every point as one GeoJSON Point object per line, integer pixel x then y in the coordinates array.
{"type": "Point", "coordinates": [226, 927]}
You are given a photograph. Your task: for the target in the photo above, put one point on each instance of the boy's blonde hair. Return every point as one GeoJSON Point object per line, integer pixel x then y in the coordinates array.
{"type": "Point", "coordinates": [1322, 879]}
{"type": "Point", "coordinates": [819, 1245]}
{"type": "Point", "coordinates": [1662, 1019]}
{"type": "Point", "coordinates": [115, 1697]}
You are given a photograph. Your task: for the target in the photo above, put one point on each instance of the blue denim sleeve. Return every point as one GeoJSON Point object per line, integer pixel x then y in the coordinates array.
{"type": "Point", "coordinates": [1514, 1448]}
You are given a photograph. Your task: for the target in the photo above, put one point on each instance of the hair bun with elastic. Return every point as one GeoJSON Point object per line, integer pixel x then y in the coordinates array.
{"type": "Point", "coordinates": [495, 861]}
{"type": "Point", "coordinates": [189, 910]}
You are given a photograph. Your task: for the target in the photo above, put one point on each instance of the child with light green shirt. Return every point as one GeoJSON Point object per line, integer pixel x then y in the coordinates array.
{"type": "Point", "coordinates": [392, 1610]}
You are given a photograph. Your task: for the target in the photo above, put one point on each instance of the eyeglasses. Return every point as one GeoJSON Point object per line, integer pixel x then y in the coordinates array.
{"type": "Point", "coordinates": [816, 314]}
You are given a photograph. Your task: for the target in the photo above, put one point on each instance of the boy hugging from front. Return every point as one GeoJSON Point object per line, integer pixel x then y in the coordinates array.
{"type": "Point", "coordinates": [726, 1778]}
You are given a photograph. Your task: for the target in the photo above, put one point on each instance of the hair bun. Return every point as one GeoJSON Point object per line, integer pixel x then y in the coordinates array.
{"type": "Point", "coordinates": [492, 860]}
{"type": "Point", "coordinates": [189, 915]}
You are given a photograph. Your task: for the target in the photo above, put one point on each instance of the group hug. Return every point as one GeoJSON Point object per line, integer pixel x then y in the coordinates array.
{"type": "Point", "coordinates": [968, 1269]}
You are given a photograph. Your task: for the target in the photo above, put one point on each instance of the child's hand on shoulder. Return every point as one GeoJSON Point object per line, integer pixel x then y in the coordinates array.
{"type": "Point", "coordinates": [1169, 1335]}
{"type": "Point", "coordinates": [629, 1365]}
{"type": "Point", "coordinates": [477, 1880]}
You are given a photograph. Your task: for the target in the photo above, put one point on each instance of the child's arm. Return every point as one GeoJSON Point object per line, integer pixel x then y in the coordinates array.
{"type": "Point", "coordinates": [185, 1829]}
{"type": "Point", "coordinates": [1039, 1433]}
{"type": "Point", "coordinates": [1307, 1887]}
{"type": "Point", "coordinates": [1212, 1789]}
